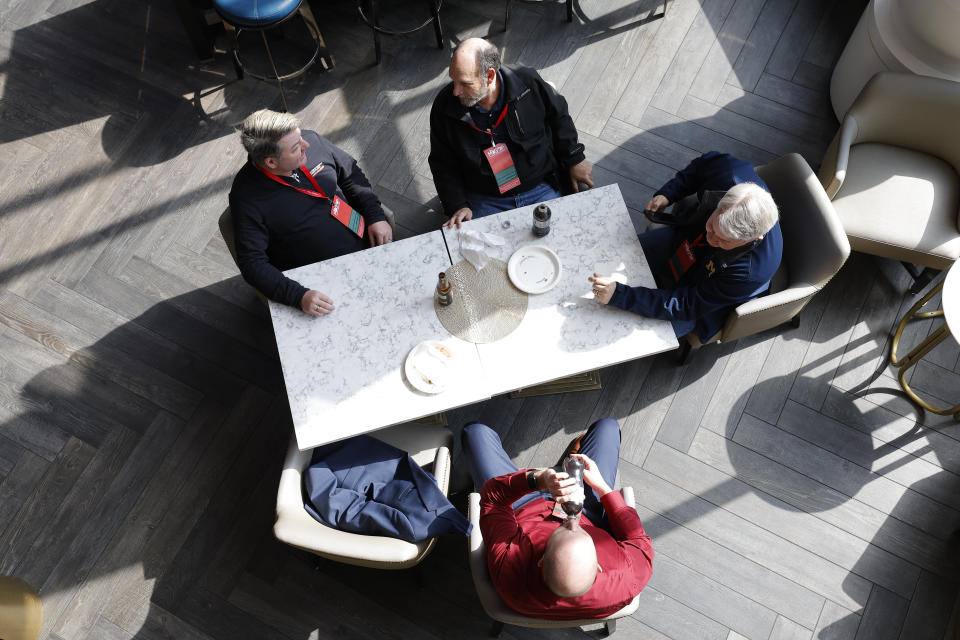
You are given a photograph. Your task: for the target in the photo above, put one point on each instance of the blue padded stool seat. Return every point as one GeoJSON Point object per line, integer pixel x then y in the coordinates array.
{"type": "Point", "coordinates": [261, 15]}
{"type": "Point", "coordinates": [255, 14]}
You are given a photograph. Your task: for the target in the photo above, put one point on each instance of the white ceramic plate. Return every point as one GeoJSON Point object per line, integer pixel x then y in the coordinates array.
{"type": "Point", "coordinates": [429, 366]}
{"type": "Point", "coordinates": [534, 269]}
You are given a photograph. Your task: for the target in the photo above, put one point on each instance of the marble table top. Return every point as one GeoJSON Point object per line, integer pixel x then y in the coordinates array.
{"type": "Point", "coordinates": [565, 331]}
{"type": "Point", "coordinates": [344, 371]}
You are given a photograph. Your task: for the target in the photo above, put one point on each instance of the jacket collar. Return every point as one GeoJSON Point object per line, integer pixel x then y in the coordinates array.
{"type": "Point", "coordinates": [514, 87]}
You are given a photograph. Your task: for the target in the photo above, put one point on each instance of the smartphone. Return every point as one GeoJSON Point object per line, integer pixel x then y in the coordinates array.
{"type": "Point", "coordinates": [659, 217]}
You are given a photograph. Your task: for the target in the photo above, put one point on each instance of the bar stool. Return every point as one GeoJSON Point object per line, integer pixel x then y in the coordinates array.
{"type": "Point", "coordinates": [261, 15]}
{"type": "Point", "coordinates": [373, 22]}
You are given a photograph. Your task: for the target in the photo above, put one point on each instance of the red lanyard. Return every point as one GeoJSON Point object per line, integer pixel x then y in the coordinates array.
{"type": "Point", "coordinates": [495, 124]}
{"type": "Point", "coordinates": [315, 194]}
{"type": "Point", "coordinates": [699, 241]}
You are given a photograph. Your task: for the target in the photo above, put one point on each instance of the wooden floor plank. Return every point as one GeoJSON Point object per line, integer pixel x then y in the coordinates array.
{"type": "Point", "coordinates": [725, 49]}
{"type": "Point", "coordinates": [712, 560]}
{"type": "Point", "coordinates": [760, 43]}
{"type": "Point", "coordinates": [827, 541]}
{"type": "Point", "coordinates": [692, 55]}
{"type": "Point", "coordinates": [750, 540]}
{"type": "Point", "coordinates": [804, 493]}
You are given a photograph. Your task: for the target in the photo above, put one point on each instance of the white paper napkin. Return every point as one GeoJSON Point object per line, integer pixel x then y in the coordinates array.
{"type": "Point", "coordinates": [476, 246]}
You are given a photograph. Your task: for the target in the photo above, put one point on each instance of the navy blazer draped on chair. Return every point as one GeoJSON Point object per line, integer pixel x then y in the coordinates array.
{"type": "Point", "coordinates": [363, 485]}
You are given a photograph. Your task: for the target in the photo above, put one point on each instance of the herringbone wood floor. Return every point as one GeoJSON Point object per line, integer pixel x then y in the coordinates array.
{"type": "Point", "coordinates": [790, 491]}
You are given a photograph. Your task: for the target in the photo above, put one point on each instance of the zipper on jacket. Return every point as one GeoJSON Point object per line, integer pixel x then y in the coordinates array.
{"type": "Point", "coordinates": [516, 114]}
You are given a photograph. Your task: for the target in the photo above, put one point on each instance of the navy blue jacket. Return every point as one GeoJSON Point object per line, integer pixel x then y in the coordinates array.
{"type": "Point", "coordinates": [364, 485]}
{"type": "Point", "coordinates": [721, 280]}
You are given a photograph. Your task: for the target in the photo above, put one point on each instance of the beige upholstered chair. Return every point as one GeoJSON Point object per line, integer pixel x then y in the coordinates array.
{"type": "Point", "coordinates": [226, 230]}
{"type": "Point", "coordinates": [891, 170]}
{"type": "Point", "coordinates": [428, 446]}
{"type": "Point", "coordinates": [814, 249]}
{"type": "Point", "coordinates": [490, 599]}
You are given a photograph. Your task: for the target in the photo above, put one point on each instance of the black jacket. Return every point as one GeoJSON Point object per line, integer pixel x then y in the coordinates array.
{"type": "Point", "coordinates": [278, 228]}
{"type": "Point", "coordinates": [541, 138]}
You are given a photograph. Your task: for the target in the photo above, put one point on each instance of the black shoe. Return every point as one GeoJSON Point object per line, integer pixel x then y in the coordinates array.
{"type": "Point", "coordinates": [573, 447]}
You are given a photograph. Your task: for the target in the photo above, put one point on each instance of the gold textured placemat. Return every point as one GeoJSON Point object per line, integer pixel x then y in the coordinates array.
{"type": "Point", "coordinates": [486, 306]}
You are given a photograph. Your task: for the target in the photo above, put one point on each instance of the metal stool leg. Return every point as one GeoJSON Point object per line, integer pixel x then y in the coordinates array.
{"type": "Point", "coordinates": [437, 27]}
{"type": "Point", "coordinates": [283, 96]}
{"type": "Point", "coordinates": [234, 49]}
{"type": "Point", "coordinates": [326, 60]}
{"type": "Point", "coordinates": [376, 31]}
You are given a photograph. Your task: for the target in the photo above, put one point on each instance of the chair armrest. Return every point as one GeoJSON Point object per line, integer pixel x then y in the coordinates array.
{"type": "Point", "coordinates": [833, 171]}
{"type": "Point", "coordinates": [765, 312]}
{"type": "Point", "coordinates": [441, 469]}
{"type": "Point", "coordinates": [475, 542]}
{"type": "Point", "coordinates": [290, 491]}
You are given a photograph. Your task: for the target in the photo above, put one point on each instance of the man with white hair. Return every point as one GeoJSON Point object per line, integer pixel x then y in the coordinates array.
{"type": "Point", "coordinates": [716, 252]}
{"type": "Point", "coordinates": [543, 563]}
{"type": "Point", "coordinates": [299, 199]}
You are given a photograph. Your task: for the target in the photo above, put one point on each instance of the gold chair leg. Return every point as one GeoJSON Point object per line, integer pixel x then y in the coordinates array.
{"type": "Point", "coordinates": [940, 334]}
{"type": "Point", "coordinates": [914, 313]}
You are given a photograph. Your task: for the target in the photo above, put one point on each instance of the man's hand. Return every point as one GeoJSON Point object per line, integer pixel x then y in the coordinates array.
{"type": "Point", "coordinates": [559, 484]}
{"type": "Point", "coordinates": [379, 233]}
{"type": "Point", "coordinates": [315, 303]}
{"type": "Point", "coordinates": [582, 172]}
{"type": "Point", "coordinates": [603, 287]}
{"type": "Point", "coordinates": [657, 203]}
{"type": "Point", "coordinates": [458, 217]}
{"type": "Point", "coordinates": [591, 475]}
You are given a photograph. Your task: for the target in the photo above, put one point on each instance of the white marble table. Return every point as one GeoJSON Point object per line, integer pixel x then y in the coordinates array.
{"type": "Point", "coordinates": [344, 371]}
{"type": "Point", "coordinates": [565, 331]}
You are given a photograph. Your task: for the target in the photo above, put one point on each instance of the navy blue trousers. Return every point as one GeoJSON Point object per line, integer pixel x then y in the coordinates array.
{"type": "Point", "coordinates": [486, 459]}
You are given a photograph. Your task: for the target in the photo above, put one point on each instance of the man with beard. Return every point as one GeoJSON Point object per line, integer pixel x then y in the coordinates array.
{"type": "Point", "coordinates": [500, 137]}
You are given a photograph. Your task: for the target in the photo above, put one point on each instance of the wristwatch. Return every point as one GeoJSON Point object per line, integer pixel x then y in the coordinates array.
{"type": "Point", "coordinates": [532, 480]}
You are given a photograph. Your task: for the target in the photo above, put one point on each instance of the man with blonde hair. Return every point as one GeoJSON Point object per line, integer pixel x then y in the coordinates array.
{"type": "Point", "coordinates": [298, 199]}
{"type": "Point", "coordinates": [720, 248]}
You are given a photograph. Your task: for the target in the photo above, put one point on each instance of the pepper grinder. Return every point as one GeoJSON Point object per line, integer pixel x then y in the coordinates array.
{"type": "Point", "coordinates": [444, 290]}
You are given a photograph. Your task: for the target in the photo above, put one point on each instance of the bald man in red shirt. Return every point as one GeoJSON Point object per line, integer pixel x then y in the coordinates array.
{"type": "Point", "coordinates": [546, 565]}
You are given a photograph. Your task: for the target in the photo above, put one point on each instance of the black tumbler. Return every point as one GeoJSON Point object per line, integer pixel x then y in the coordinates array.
{"type": "Point", "coordinates": [574, 468]}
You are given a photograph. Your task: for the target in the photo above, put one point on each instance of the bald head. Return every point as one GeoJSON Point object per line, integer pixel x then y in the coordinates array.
{"type": "Point", "coordinates": [479, 53]}
{"type": "Point", "coordinates": [569, 560]}
{"type": "Point", "coordinates": [473, 69]}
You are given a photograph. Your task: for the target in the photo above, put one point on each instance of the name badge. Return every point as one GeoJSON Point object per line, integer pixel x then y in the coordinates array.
{"type": "Point", "coordinates": [502, 165]}
{"type": "Point", "coordinates": [347, 216]}
{"type": "Point", "coordinates": [681, 261]}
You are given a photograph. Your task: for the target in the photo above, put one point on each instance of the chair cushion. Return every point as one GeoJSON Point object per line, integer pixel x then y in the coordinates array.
{"type": "Point", "coordinates": [256, 14]}
{"type": "Point", "coordinates": [900, 204]}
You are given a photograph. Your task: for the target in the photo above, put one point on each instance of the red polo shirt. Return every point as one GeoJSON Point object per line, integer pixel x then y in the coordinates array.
{"type": "Point", "coordinates": [515, 541]}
